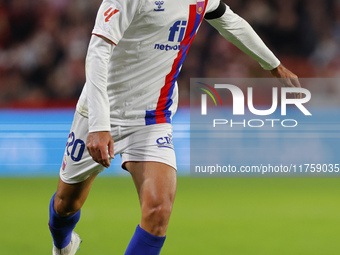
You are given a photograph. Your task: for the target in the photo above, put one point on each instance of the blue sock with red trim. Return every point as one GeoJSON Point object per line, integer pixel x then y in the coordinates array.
{"type": "Point", "coordinates": [144, 243]}
{"type": "Point", "coordinates": [61, 227]}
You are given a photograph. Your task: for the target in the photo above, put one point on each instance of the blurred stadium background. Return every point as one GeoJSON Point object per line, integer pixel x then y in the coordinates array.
{"type": "Point", "coordinates": [43, 46]}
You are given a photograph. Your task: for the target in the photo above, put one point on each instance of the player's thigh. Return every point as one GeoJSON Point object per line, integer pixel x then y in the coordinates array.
{"type": "Point", "coordinates": [155, 182]}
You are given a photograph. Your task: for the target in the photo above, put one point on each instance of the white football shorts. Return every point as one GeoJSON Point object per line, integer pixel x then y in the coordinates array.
{"type": "Point", "coordinates": [133, 143]}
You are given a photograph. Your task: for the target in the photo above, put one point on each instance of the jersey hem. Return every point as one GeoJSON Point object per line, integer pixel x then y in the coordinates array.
{"type": "Point", "coordinates": [125, 122]}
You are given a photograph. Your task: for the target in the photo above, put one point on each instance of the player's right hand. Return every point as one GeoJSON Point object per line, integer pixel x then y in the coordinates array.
{"type": "Point", "coordinates": [100, 147]}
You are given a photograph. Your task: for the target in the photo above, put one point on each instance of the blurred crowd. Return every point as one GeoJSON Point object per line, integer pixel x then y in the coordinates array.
{"type": "Point", "coordinates": [43, 45]}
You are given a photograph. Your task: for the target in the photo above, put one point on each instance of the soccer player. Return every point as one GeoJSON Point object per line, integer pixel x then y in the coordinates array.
{"type": "Point", "coordinates": [135, 54]}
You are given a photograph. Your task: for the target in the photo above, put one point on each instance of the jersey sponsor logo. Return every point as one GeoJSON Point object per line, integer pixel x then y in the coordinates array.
{"type": "Point", "coordinates": [159, 6]}
{"type": "Point", "coordinates": [166, 47]}
{"type": "Point", "coordinates": [177, 28]}
{"type": "Point", "coordinates": [165, 141]}
{"type": "Point", "coordinates": [109, 13]}
{"type": "Point", "coordinates": [176, 34]}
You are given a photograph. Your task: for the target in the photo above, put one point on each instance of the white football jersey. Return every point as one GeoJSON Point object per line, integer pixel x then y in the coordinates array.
{"type": "Point", "coordinates": [152, 39]}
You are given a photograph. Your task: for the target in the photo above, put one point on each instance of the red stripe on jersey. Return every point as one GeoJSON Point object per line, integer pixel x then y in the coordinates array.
{"type": "Point", "coordinates": [105, 38]}
{"type": "Point", "coordinates": [185, 45]}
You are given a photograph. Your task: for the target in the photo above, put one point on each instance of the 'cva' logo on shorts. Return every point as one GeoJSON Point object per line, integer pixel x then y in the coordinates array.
{"type": "Point", "coordinates": [165, 142]}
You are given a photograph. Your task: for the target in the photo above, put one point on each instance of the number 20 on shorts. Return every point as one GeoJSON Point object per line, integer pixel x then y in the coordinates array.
{"type": "Point", "coordinates": [75, 147]}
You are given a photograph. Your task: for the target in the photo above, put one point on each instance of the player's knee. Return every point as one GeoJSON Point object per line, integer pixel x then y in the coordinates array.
{"type": "Point", "coordinates": [65, 207]}
{"type": "Point", "coordinates": [157, 216]}
{"type": "Point", "coordinates": [158, 213]}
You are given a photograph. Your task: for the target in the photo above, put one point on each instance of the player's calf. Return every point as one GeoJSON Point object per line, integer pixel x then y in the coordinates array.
{"type": "Point", "coordinates": [66, 207]}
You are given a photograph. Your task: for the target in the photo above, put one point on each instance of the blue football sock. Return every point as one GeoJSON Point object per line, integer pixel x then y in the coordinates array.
{"type": "Point", "coordinates": [144, 243]}
{"type": "Point", "coordinates": [61, 227]}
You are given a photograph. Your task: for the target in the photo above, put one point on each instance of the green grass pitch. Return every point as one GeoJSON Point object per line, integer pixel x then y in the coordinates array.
{"type": "Point", "coordinates": [210, 216]}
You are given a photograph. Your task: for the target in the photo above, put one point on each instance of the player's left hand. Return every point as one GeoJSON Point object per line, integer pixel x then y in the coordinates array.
{"type": "Point", "coordinates": [287, 78]}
